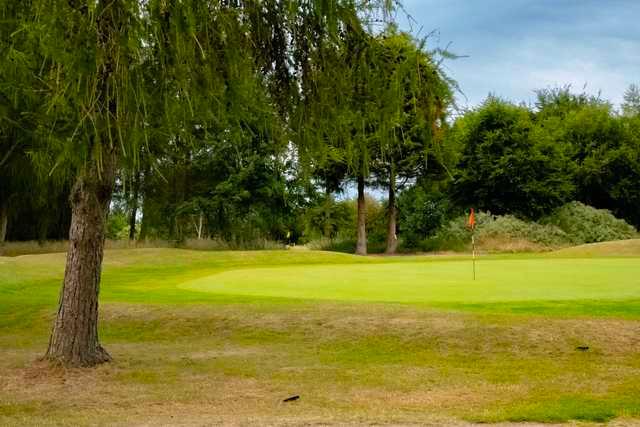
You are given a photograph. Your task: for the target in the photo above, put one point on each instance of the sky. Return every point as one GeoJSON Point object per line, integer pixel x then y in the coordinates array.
{"type": "Point", "coordinates": [516, 46]}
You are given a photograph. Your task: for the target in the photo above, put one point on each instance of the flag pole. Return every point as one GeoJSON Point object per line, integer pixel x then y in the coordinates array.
{"type": "Point", "coordinates": [471, 223]}
{"type": "Point", "coordinates": [473, 252]}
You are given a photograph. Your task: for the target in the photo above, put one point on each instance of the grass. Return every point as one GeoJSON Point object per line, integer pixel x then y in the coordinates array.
{"type": "Point", "coordinates": [222, 337]}
{"type": "Point", "coordinates": [12, 249]}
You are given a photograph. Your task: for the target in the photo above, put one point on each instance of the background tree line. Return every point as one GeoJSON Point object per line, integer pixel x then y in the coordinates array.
{"type": "Point", "coordinates": [523, 160]}
{"type": "Point", "coordinates": [248, 147]}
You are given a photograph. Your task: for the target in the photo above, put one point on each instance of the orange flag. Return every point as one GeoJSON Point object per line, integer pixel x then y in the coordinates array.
{"type": "Point", "coordinates": [472, 220]}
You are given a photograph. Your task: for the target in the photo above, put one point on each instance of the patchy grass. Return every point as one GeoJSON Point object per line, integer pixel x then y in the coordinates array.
{"type": "Point", "coordinates": [617, 248]}
{"type": "Point", "coordinates": [51, 246]}
{"type": "Point", "coordinates": [362, 340]}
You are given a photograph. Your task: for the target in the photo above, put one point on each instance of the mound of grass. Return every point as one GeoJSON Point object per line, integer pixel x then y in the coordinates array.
{"type": "Point", "coordinates": [585, 224]}
{"type": "Point", "coordinates": [618, 248]}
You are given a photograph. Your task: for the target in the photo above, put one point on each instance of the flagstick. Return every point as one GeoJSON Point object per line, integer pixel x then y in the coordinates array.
{"type": "Point", "coordinates": [472, 226]}
{"type": "Point", "coordinates": [473, 252]}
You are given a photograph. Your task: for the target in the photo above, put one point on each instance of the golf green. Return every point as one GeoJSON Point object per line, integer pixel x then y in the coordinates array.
{"type": "Point", "coordinates": [541, 279]}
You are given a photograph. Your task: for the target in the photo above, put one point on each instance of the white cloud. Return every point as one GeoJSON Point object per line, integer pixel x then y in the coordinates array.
{"type": "Point", "coordinates": [517, 46]}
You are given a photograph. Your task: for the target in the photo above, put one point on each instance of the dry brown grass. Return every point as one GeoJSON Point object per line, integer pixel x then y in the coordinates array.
{"type": "Point", "coordinates": [509, 245]}
{"type": "Point", "coordinates": [214, 365]}
{"type": "Point", "coordinates": [615, 248]}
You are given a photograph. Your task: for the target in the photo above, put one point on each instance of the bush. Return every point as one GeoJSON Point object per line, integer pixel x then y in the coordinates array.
{"type": "Point", "coordinates": [421, 214]}
{"type": "Point", "coordinates": [328, 218]}
{"type": "Point", "coordinates": [345, 238]}
{"type": "Point", "coordinates": [344, 244]}
{"type": "Point", "coordinates": [585, 224]}
{"type": "Point", "coordinates": [340, 219]}
{"type": "Point", "coordinates": [497, 233]}
{"type": "Point", "coordinates": [571, 224]}
{"type": "Point", "coordinates": [510, 227]}
{"type": "Point", "coordinates": [117, 227]}
{"type": "Point", "coordinates": [231, 245]}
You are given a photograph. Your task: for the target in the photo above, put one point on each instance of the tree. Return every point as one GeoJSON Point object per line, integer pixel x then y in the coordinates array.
{"type": "Point", "coordinates": [379, 102]}
{"type": "Point", "coordinates": [631, 103]}
{"type": "Point", "coordinates": [605, 151]}
{"type": "Point", "coordinates": [96, 119]}
{"type": "Point", "coordinates": [423, 208]}
{"type": "Point", "coordinates": [510, 164]}
{"type": "Point", "coordinates": [410, 121]}
{"type": "Point", "coordinates": [19, 108]}
{"type": "Point", "coordinates": [124, 77]}
{"type": "Point", "coordinates": [602, 147]}
{"type": "Point", "coordinates": [333, 119]}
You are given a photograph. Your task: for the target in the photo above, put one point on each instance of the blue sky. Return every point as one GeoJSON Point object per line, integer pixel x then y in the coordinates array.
{"type": "Point", "coordinates": [516, 46]}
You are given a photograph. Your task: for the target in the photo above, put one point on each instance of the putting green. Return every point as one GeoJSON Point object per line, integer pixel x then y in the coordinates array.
{"type": "Point", "coordinates": [539, 279]}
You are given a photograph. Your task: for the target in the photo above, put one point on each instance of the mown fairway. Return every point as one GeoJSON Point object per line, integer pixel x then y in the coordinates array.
{"type": "Point", "coordinates": [223, 337]}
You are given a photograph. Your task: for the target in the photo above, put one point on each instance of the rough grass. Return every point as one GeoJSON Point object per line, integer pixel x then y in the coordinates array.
{"type": "Point", "coordinates": [52, 246]}
{"type": "Point", "coordinates": [202, 358]}
{"type": "Point", "coordinates": [618, 248]}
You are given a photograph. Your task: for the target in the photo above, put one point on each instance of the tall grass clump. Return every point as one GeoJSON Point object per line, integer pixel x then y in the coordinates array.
{"type": "Point", "coordinates": [231, 245]}
{"type": "Point", "coordinates": [497, 233]}
{"type": "Point", "coordinates": [32, 247]}
{"type": "Point", "coordinates": [52, 246]}
{"type": "Point", "coordinates": [346, 244]}
{"type": "Point", "coordinates": [585, 224]}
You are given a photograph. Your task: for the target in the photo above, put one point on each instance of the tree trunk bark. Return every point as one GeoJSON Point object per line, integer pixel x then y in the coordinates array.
{"type": "Point", "coordinates": [392, 238]}
{"type": "Point", "coordinates": [199, 226]}
{"type": "Point", "coordinates": [134, 207]}
{"type": "Point", "coordinates": [361, 245]}
{"type": "Point", "coordinates": [74, 339]}
{"type": "Point", "coordinates": [4, 221]}
{"type": "Point", "coordinates": [144, 223]}
{"type": "Point", "coordinates": [144, 187]}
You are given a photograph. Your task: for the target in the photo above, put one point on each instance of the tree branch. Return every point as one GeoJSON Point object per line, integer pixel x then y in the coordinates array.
{"type": "Point", "coordinates": [6, 156]}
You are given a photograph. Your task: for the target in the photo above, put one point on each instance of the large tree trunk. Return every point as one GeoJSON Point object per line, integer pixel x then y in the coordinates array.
{"type": "Point", "coordinates": [74, 340]}
{"type": "Point", "coordinates": [361, 245]}
{"type": "Point", "coordinates": [392, 238]}
{"type": "Point", "coordinates": [134, 206]}
{"type": "Point", "coordinates": [4, 220]}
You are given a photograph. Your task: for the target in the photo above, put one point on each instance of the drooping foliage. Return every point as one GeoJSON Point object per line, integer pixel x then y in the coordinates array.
{"type": "Point", "coordinates": [124, 85]}
{"type": "Point", "coordinates": [32, 203]}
